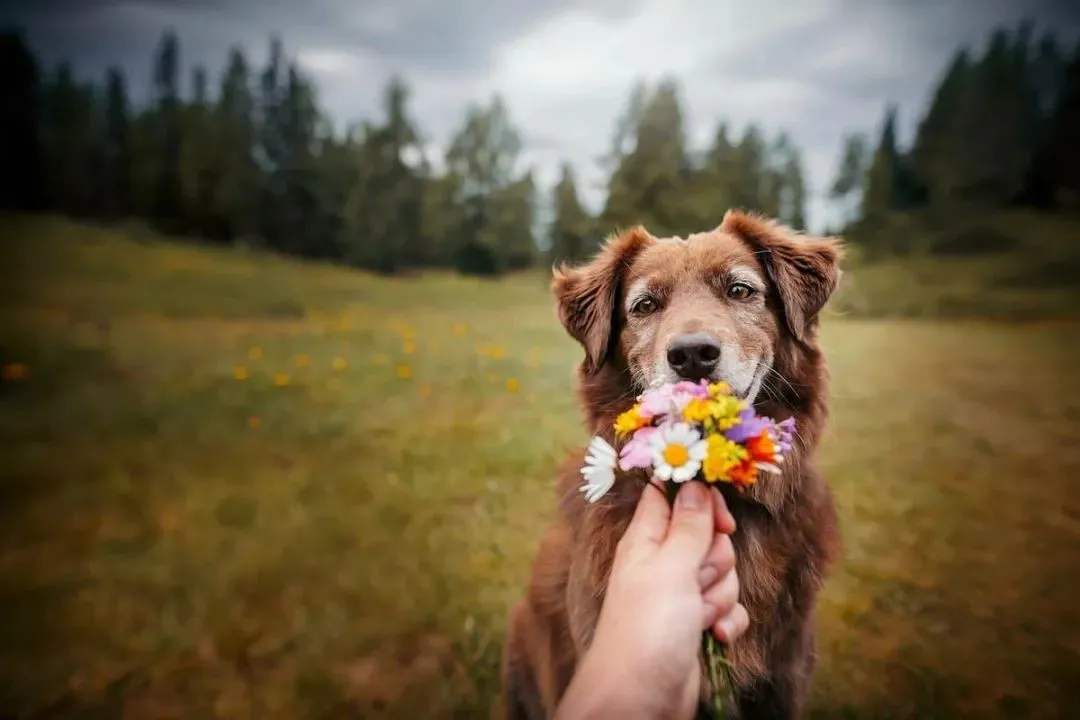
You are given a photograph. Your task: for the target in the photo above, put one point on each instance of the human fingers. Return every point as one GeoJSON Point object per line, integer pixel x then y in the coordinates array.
{"type": "Point", "coordinates": [649, 525]}
{"type": "Point", "coordinates": [720, 599]}
{"type": "Point", "coordinates": [719, 561]}
{"type": "Point", "coordinates": [725, 521]}
{"type": "Point", "coordinates": [730, 627]}
{"type": "Point", "coordinates": [691, 530]}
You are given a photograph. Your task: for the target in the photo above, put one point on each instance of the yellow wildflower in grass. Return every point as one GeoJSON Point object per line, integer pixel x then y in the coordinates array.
{"type": "Point", "coordinates": [302, 361]}
{"type": "Point", "coordinates": [425, 390]}
{"type": "Point", "coordinates": [409, 347]}
{"type": "Point", "coordinates": [240, 372]}
{"type": "Point", "coordinates": [629, 421]}
{"type": "Point", "coordinates": [13, 372]}
{"type": "Point", "coordinates": [403, 371]}
{"type": "Point", "coordinates": [460, 329]}
{"type": "Point", "coordinates": [721, 457]}
{"type": "Point", "coordinates": [254, 422]}
{"type": "Point", "coordinates": [339, 364]}
{"type": "Point", "coordinates": [255, 353]}
{"type": "Point", "coordinates": [281, 379]}
{"type": "Point", "coordinates": [497, 353]}
{"type": "Point", "coordinates": [512, 385]}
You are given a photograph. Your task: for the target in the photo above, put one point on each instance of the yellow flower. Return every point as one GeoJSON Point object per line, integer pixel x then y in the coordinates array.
{"type": "Point", "coordinates": [425, 390]}
{"type": "Point", "coordinates": [339, 364]}
{"type": "Point", "coordinates": [719, 388]}
{"type": "Point", "coordinates": [281, 379]}
{"type": "Point", "coordinates": [403, 371]}
{"type": "Point", "coordinates": [629, 421]}
{"type": "Point", "coordinates": [302, 361]}
{"type": "Point", "coordinates": [497, 352]}
{"type": "Point", "coordinates": [409, 347]}
{"type": "Point", "coordinates": [460, 329]}
{"type": "Point", "coordinates": [240, 372]}
{"type": "Point", "coordinates": [721, 456]}
{"type": "Point", "coordinates": [512, 385]}
{"type": "Point", "coordinates": [725, 411]}
{"type": "Point", "coordinates": [254, 421]}
{"type": "Point", "coordinates": [255, 353]}
{"type": "Point", "coordinates": [697, 410]}
{"type": "Point", "coordinates": [12, 372]}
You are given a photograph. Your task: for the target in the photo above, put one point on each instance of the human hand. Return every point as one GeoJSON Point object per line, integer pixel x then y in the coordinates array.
{"type": "Point", "coordinates": [673, 577]}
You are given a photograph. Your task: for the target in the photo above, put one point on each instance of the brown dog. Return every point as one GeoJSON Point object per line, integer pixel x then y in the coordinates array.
{"type": "Point", "coordinates": [738, 304]}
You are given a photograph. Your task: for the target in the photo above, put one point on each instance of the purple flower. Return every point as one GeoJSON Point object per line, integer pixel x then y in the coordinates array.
{"type": "Point", "coordinates": [785, 431]}
{"type": "Point", "coordinates": [750, 425]}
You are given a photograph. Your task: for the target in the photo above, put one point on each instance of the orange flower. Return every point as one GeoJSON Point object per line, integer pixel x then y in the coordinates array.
{"type": "Point", "coordinates": [762, 448]}
{"type": "Point", "coordinates": [744, 474]}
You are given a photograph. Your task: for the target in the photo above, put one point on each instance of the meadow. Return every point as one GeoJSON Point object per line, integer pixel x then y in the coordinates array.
{"type": "Point", "coordinates": [239, 486]}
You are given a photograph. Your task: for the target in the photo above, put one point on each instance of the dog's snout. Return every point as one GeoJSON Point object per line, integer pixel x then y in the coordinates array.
{"type": "Point", "coordinates": [693, 356]}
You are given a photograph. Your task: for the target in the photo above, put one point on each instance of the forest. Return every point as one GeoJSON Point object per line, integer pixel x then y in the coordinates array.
{"type": "Point", "coordinates": [254, 159]}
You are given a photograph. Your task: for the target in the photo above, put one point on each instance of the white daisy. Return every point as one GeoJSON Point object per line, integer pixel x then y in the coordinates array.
{"type": "Point", "coordinates": [599, 470]}
{"type": "Point", "coordinates": [678, 450]}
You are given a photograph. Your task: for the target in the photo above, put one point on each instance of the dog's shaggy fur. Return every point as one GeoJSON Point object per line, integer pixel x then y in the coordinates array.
{"type": "Point", "coordinates": [787, 527]}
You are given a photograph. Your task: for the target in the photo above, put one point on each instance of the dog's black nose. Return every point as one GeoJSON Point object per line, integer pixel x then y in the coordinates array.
{"type": "Point", "coordinates": [693, 356]}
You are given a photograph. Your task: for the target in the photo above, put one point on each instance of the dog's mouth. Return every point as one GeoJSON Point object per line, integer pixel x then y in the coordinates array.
{"type": "Point", "coordinates": [748, 389]}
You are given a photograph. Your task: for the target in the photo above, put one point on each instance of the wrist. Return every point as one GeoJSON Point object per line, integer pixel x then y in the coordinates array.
{"type": "Point", "coordinates": [605, 686]}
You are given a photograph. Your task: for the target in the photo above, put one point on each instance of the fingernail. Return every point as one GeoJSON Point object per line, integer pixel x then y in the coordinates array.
{"type": "Point", "coordinates": [691, 496]}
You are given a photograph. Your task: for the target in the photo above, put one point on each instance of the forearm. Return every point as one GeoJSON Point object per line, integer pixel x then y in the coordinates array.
{"type": "Point", "coordinates": [602, 688]}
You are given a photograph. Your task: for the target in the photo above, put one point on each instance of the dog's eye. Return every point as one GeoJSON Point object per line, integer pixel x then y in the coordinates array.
{"type": "Point", "coordinates": [740, 291]}
{"type": "Point", "coordinates": [644, 306]}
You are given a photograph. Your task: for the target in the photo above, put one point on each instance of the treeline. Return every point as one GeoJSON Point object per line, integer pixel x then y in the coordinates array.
{"type": "Point", "coordinates": [1002, 129]}
{"type": "Point", "coordinates": [252, 157]}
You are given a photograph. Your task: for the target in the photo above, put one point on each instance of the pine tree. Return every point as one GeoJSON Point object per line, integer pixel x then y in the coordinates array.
{"type": "Point", "coordinates": [168, 205]}
{"type": "Point", "coordinates": [117, 147]}
{"type": "Point", "coordinates": [21, 153]}
{"type": "Point", "coordinates": [882, 181]}
{"type": "Point", "coordinates": [570, 228]}
{"type": "Point", "coordinates": [236, 193]}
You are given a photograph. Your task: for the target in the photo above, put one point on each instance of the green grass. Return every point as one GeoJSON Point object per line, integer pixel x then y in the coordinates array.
{"type": "Point", "coordinates": [1032, 274]}
{"type": "Point", "coordinates": [181, 543]}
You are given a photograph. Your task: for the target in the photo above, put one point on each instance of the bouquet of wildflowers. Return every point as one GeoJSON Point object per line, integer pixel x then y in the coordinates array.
{"type": "Point", "coordinates": [689, 431]}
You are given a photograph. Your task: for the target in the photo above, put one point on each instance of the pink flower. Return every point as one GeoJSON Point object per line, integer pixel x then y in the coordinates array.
{"type": "Point", "coordinates": [637, 453]}
{"type": "Point", "coordinates": [671, 398]}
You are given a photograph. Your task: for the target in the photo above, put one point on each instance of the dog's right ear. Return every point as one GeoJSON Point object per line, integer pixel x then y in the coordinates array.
{"type": "Point", "coordinates": [587, 297]}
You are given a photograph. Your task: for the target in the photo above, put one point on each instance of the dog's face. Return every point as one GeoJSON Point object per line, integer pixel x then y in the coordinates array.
{"type": "Point", "coordinates": [715, 305]}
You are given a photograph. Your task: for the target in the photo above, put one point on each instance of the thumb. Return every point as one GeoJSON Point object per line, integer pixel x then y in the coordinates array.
{"type": "Point", "coordinates": [690, 534]}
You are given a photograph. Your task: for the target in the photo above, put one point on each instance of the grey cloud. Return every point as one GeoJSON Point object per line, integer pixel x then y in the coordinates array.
{"type": "Point", "coordinates": [416, 35]}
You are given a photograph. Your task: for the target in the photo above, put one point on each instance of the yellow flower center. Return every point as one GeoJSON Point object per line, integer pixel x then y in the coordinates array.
{"type": "Point", "coordinates": [676, 455]}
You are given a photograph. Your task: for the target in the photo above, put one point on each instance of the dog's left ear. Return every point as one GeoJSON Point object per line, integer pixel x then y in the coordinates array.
{"type": "Point", "coordinates": [587, 296]}
{"type": "Point", "coordinates": [804, 269]}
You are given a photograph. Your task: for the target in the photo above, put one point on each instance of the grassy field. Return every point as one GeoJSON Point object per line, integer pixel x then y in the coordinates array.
{"type": "Point", "coordinates": [235, 486]}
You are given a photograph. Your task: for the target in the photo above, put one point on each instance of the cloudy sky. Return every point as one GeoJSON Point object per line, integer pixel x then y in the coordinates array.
{"type": "Point", "coordinates": [816, 68]}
